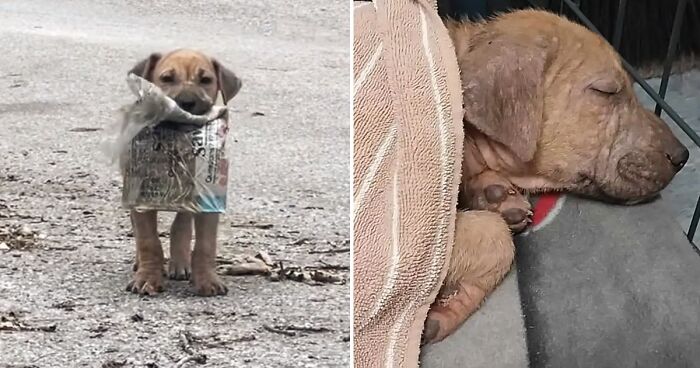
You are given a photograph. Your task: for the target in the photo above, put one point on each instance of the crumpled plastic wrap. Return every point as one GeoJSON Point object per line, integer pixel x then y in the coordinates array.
{"type": "Point", "coordinates": [170, 159]}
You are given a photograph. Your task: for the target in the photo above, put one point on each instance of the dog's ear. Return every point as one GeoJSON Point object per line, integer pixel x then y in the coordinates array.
{"type": "Point", "coordinates": [503, 89]}
{"type": "Point", "coordinates": [229, 83]}
{"type": "Point", "coordinates": [144, 68]}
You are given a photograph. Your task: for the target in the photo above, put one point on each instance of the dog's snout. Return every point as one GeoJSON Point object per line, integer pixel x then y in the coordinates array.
{"type": "Point", "coordinates": [187, 105]}
{"type": "Point", "coordinates": [192, 102]}
{"type": "Point", "coordinates": [678, 157]}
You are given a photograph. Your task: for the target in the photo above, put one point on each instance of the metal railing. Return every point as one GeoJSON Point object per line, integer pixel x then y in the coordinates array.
{"type": "Point", "coordinates": [659, 96]}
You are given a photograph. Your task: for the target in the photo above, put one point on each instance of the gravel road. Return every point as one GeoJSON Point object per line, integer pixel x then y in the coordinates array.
{"type": "Point", "coordinates": [62, 298]}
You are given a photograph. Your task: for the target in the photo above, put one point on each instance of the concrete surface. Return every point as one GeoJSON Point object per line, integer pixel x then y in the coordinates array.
{"type": "Point", "coordinates": [62, 67]}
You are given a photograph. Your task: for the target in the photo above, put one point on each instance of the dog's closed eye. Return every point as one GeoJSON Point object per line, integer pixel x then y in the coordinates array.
{"type": "Point", "coordinates": [206, 80]}
{"type": "Point", "coordinates": [607, 87]}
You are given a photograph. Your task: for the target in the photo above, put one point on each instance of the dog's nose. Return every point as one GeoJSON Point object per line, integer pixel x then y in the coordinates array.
{"type": "Point", "coordinates": [187, 105]}
{"type": "Point", "coordinates": [678, 157]}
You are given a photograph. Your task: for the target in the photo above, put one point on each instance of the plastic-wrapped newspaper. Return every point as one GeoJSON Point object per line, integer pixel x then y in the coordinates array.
{"type": "Point", "coordinates": [170, 159]}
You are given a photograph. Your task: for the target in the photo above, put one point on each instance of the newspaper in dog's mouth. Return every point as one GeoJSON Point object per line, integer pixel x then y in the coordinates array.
{"type": "Point", "coordinates": [170, 160]}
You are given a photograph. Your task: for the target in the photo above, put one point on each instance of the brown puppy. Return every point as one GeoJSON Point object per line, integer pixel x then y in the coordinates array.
{"type": "Point", "coordinates": [548, 107]}
{"type": "Point", "coordinates": [193, 80]}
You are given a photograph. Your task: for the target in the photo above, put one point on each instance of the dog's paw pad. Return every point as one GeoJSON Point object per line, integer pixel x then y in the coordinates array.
{"type": "Point", "coordinates": [495, 193]}
{"type": "Point", "coordinates": [491, 192]}
{"type": "Point", "coordinates": [516, 218]}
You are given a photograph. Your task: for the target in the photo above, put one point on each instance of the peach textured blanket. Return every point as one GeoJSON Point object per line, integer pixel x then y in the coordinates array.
{"type": "Point", "coordinates": [407, 141]}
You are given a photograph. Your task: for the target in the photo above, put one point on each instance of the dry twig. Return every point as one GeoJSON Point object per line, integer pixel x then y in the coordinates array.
{"type": "Point", "coordinates": [279, 331]}
{"type": "Point", "coordinates": [186, 340]}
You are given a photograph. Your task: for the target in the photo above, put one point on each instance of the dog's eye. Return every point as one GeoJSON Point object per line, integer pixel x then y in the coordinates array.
{"type": "Point", "coordinates": [166, 78]}
{"type": "Point", "coordinates": [603, 92]}
{"type": "Point", "coordinates": [206, 80]}
{"type": "Point", "coordinates": [605, 87]}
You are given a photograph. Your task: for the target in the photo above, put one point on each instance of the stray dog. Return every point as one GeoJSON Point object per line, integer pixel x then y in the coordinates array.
{"type": "Point", "coordinates": [193, 80]}
{"type": "Point", "coordinates": [548, 107]}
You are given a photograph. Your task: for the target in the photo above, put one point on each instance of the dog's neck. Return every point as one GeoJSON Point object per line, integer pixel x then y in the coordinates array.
{"type": "Point", "coordinates": [482, 153]}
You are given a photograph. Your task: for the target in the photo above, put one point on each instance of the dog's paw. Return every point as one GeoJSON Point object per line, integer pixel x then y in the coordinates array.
{"type": "Point", "coordinates": [146, 283]}
{"type": "Point", "coordinates": [179, 270]}
{"type": "Point", "coordinates": [208, 284]}
{"type": "Point", "coordinates": [449, 311]}
{"type": "Point", "coordinates": [135, 268]}
{"type": "Point", "coordinates": [491, 192]}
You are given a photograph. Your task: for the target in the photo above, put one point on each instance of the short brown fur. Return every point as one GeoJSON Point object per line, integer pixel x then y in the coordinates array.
{"type": "Point", "coordinates": [193, 80]}
{"type": "Point", "coordinates": [548, 107]}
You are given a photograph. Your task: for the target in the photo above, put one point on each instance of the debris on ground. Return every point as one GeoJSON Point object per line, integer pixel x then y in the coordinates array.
{"type": "Point", "coordinates": [67, 305]}
{"type": "Point", "coordinates": [278, 331]}
{"type": "Point", "coordinates": [19, 237]}
{"type": "Point", "coordinates": [262, 265]}
{"type": "Point", "coordinates": [84, 129]}
{"type": "Point", "coordinates": [245, 269]}
{"type": "Point", "coordinates": [215, 341]}
{"type": "Point", "coordinates": [332, 250]}
{"type": "Point", "coordinates": [301, 241]}
{"type": "Point", "coordinates": [265, 257]}
{"type": "Point", "coordinates": [11, 322]}
{"type": "Point", "coordinates": [186, 340]}
{"type": "Point", "coordinates": [254, 225]}
{"type": "Point", "coordinates": [310, 275]}
{"type": "Point", "coordinates": [292, 330]}
{"type": "Point", "coordinates": [99, 330]}
{"type": "Point", "coordinates": [114, 364]}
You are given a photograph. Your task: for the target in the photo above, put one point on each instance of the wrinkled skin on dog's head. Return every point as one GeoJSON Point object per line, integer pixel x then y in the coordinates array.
{"type": "Point", "coordinates": [559, 109]}
{"type": "Point", "coordinates": [190, 78]}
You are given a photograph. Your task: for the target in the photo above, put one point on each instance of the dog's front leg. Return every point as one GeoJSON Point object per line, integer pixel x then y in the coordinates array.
{"type": "Point", "coordinates": [180, 247]}
{"type": "Point", "coordinates": [148, 278]}
{"type": "Point", "coordinates": [204, 278]}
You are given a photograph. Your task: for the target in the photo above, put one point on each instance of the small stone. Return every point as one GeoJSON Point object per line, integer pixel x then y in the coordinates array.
{"type": "Point", "coordinates": [4, 246]}
{"type": "Point", "coordinates": [25, 230]}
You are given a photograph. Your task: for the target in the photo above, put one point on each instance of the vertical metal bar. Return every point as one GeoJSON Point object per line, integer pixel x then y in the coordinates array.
{"type": "Point", "coordinates": [694, 222]}
{"type": "Point", "coordinates": [619, 23]}
{"type": "Point", "coordinates": [671, 52]}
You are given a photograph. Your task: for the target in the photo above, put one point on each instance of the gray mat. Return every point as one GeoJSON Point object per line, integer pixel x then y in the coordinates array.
{"type": "Point", "coordinates": [493, 337]}
{"type": "Point", "coordinates": [600, 285]}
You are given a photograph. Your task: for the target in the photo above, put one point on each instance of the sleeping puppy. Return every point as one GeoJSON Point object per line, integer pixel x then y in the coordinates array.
{"type": "Point", "coordinates": [193, 80]}
{"type": "Point", "coordinates": [548, 107]}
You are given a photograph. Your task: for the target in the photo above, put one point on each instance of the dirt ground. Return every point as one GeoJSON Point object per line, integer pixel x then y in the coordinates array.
{"type": "Point", "coordinates": [65, 245]}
